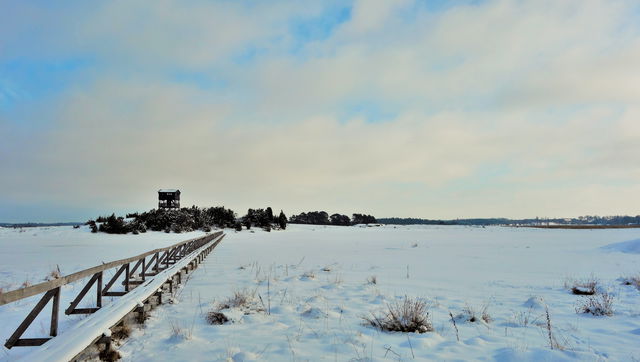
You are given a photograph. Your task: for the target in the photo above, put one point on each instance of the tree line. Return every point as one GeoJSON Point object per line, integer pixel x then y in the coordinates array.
{"type": "Point", "coordinates": [582, 220]}
{"type": "Point", "coordinates": [323, 218]}
{"type": "Point", "coordinates": [187, 219]}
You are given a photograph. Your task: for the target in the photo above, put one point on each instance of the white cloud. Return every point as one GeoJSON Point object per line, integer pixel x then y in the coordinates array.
{"type": "Point", "coordinates": [544, 93]}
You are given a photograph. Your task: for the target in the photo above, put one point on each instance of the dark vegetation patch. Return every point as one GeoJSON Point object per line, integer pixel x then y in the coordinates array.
{"type": "Point", "coordinates": [121, 331]}
{"type": "Point", "coordinates": [109, 355]}
{"type": "Point", "coordinates": [216, 318]}
{"type": "Point", "coordinates": [186, 220]}
{"type": "Point", "coordinates": [323, 218]}
{"type": "Point", "coordinates": [584, 287]}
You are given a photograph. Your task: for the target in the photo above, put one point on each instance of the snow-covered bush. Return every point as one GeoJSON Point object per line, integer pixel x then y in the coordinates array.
{"type": "Point", "coordinates": [409, 315]}
{"type": "Point", "coordinates": [587, 286]}
{"type": "Point", "coordinates": [598, 305]}
{"type": "Point", "coordinates": [114, 225]}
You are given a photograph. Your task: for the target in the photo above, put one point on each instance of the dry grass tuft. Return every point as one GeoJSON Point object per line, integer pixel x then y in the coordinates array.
{"type": "Point", "coordinates": [469, 314]}
{"type": "Point", "coordinates": [410, 315]}
{"type": "Point", "coordinates": [240, 299]}
{"type": "Point", "coordinates": [524, 319]}
{"type": "Point", "coordinates": [177, 331]}
{"type": "Point", "coordinates": [598, 305]}
{"type": "Point", "coordinates": [243, 299]}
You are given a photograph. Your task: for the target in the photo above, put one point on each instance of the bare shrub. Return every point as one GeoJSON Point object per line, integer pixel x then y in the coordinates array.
{"type": "Point", "coordinates": [588, 286]}
{"type": "Point", "coordinates": [410, 315]}
{"type": "Point", "coordinates": [216, 318]}
{"type": "Point", "coordinates": [633, 280]}
{"type": "Point", "coordinates": [598, 305]}
{"type": "Point", "coordinates": [414, 245]}
{"type": "Point", "coordinates": [240, 298]}
{"type": "Point", "coordinates": [372, 279]}
{"type": "Point", "coordinates": [470, 314]}
{"type": "Point", "coordinates": [524, 319]}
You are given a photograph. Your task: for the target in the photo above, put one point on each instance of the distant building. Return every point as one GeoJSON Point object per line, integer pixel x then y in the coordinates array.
{"type": "Point", "coordinates": [169, 199]}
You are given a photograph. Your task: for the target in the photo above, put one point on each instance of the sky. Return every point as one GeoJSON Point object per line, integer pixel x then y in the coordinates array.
{"type": "Point", "coordinates": [430, 109]}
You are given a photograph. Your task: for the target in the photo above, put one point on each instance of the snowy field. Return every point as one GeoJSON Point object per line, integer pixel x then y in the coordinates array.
{"type": "Point", "coordinates": [313, 286]}
{"type": "Point", "coordinates": [318, 293]}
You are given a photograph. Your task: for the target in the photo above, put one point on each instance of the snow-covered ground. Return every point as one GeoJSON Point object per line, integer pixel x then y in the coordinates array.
{"type": "Point", "coordinates": [312, 282]}
{"type": "Point", "coordinates": [317, 293]}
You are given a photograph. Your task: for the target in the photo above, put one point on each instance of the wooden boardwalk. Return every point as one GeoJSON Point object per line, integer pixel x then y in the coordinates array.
{"type": "Point", "coordinates": [157, 270]}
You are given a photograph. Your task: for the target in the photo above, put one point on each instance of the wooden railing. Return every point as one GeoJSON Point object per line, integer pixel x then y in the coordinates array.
{"type": "Point", "coordinates": [144, 265]}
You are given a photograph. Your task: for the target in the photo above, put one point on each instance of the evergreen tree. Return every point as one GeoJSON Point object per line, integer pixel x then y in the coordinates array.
{"type": "Point", "coordinates": [282, 220]}
{"type": "Point", "coordinates": [342, 220]}
{"type": "Point", "coordinates": [269, 215]}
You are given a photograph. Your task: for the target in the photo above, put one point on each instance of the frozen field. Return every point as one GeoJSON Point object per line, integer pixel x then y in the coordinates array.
{"type": "Point", "coordinates": [312, 283]}
{"type": "Point", "coordinates": [318, 292]}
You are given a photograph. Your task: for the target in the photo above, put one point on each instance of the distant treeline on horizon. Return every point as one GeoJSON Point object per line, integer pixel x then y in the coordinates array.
{"type": "Point", "coordinates": [323, 218]}
{"type": "Point", "coordinates": [582, 220]}
{"type": "Point", "coordinates": [37, 224]}
{"type": "Point", "coordinates": [256, 217]}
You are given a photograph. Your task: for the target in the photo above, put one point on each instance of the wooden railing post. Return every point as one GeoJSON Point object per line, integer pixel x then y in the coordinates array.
{"type": "Point", "coordinates": [99, 291]}
{"type": "Point", "coordinates": [55, 307]}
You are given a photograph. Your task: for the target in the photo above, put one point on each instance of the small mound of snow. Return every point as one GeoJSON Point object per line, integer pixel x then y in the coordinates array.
{"type": "Point", "coordinates": [534, 302]}
{"type": "Point", "coordinates": [315, 313]}
{"type": "Point", "coordinates": [631, 247]}
{"type": "Point", "coordinates": [244, 356]}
